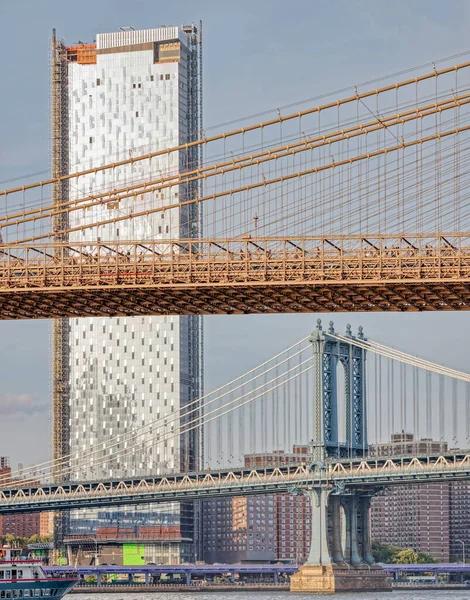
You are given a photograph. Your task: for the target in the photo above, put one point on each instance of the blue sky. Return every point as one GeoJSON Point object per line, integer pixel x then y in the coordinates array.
{"type": "Point", "coordinates": [257, 56]}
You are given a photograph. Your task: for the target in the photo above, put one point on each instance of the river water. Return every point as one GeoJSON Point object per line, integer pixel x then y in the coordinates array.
{"type": "Point", "coordinates": [396, 595]}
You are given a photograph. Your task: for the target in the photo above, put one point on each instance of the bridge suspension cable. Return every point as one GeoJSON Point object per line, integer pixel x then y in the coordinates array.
{"type": "Point", "coordinates": [196, 411]}
{"type": "Point", "coordinates": [244, 130]}
{"type": "Point", "coordinates": [235, 164]}
{"type": "Point", "coordinates": [389, 121]}
{"type": "Point", "coordinates": [403, 357]}
{"type": "Point", "coordinates": [257, 185]}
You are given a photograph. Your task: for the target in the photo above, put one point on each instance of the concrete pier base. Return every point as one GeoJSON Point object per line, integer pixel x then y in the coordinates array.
{"type": "Point", "coordinates": [330, 579]}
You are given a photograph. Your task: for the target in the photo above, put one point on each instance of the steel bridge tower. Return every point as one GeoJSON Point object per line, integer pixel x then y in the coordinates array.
{"type": "Point", "coordinates": [340, 411]}
{"type": "Point", "coordinates": [329, 352]}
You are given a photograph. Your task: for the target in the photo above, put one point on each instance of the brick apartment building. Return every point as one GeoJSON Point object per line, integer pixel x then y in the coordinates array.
{"type": "Point", "coordinates": [414, 516]}
{"type": "Point", "coordinates": [259, 528]}
{"type": "Point", "coordinates": [433, 517]}
{"type": "Point", "coordinates": [23, 525]}
{"type": "Point", "coordinates": [429, 517]}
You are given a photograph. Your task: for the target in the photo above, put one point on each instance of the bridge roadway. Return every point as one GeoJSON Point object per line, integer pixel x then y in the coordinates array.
{"type": "Point", "coordinates": [186, 570]}
{"type": "Point", "coordinates": [236, 276]}
{"type": "Point", "coordinates": [254, 569]}
{"type": "Point", "coordinates": [344, 475]}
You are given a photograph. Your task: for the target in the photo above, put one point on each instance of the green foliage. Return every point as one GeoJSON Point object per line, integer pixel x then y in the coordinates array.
{"type": "Point", "coordinates": [387, 553]}
{"type": "Point", "coordinates": [426, 559]}
{"type": "Point", "coordinates": [34, 539]}
{"type": "Point", "coordinates": [18, 542]}
{"type": "Point", "coordinates": [406, 557]}
{"type": "Point", "coordinates": [384, 553]}
{"type": "Point", "coordinates": [40, 539]}
{"type": "Point", "coordinates": [13, 541]}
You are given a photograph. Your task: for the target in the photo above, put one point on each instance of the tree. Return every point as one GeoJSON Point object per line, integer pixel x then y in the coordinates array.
{"type": "Point", "coordinates": [406, 557]}
{"type": "Point", "coordinates": [426, 559]}
{"type": "Point", "coordinates": [15, 542]}
{"type": "Point", "coordinates": [384, 553]}
{"type": "Point", "coordinates": [34, 539]}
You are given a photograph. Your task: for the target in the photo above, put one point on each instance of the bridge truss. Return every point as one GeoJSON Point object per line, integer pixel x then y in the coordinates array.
{"type": "Point", "coordinates": [250, 276]}
{"type": "Point", "coordinates": [342, 476]}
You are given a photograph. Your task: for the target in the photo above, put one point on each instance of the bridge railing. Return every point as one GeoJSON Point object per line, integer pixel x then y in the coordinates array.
{"type": "Point", "coordinates": [256, 481]}
{"type": "Point", "coordinates": [270, 260]}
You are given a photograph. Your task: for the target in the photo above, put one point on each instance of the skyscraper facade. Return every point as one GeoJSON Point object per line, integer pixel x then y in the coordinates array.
{"type": "Point", "coordinates": [130, 93]}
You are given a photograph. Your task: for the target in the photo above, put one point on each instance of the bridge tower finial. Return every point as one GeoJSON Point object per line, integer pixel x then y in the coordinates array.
{"type": "Point", "coordinates": [348, 330]}
{"type": "Point", "coordinates": [319, 327]}
{"type": "Point", "coordinates": [360, 332]}
{"type": "Point", "coordinates": [331, 328]}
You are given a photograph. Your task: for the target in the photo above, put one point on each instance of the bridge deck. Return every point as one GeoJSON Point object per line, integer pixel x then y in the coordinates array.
{"type": "Point", "coordinates": [269, 275]}
{"type": "Point", "coordinates": [362, 474]}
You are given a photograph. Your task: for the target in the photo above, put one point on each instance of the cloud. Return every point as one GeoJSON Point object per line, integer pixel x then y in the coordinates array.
{"type": "Point", "coordinates": [20, 405]}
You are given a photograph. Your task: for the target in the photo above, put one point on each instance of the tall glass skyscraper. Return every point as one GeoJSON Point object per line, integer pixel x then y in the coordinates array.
{"type": "Point", "coordinates": [130, 93]}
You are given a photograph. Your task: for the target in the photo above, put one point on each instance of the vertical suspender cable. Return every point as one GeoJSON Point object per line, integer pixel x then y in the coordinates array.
{"type": "Point", "coordinates": [467, 412]}
{"type": "Point", "coordinates": [295, 385]}
{"type": "Point", "coordinates": [376, 397]}
{"type": "Point", "coordinates": [379, 433]}
{"type": "Point", "coordinates": [252, 447]}
{"type": "Point", "coordinates": [454, 412]}
{"type": "Point", "coordinates": [230, 423]}
{"type": "Point", "coordinates": [441, 408]}
{"type": "Point", "coordinates": [219, 437]}
{"type": "Point", "coordinates": [402, 387]}
{"type": "Point", "coordinates": [284, 415]}
{"type": "Point", "coordinates": [308, 406]}
{"type": "Point", "coordinates": [275, 418]}
{"type": "Point", "coordinates": [392, 396]}
{"type": "Point", "coordinates": [302, 438]}
{"type": "Point", "coordinates": [264, 415]}
{"type": "Point", "coordinates": [415, 424]}
{"type": "Point", "coordinates": [429, 432]}
{"type": "Point", "coordinates": [288, 408]}
{"type": "Point", "coordinates": [242, 416]}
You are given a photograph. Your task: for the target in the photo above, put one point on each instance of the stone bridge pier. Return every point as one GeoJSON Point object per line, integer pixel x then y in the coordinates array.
{"type": "Point", "coordinates": [340, 556]}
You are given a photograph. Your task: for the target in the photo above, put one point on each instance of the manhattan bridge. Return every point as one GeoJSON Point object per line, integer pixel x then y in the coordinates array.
{"type": "Point", "coordinates": [356, 204]}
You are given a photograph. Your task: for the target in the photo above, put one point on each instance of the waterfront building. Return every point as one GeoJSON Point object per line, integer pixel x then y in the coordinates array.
{"type": "Point", "coordinates": [259, 528]}
{"type": "Point", "coordinates": [413, 516]}
{"type": "Point", "coordinates": [23, 525]}
{"type": "Point", "coordinates": [459, 520]}
{"type": "Point", "coordinates": [129, 93]}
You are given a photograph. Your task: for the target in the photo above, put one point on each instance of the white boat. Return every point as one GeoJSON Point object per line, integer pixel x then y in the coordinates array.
{"type": "Point", "coordinates": [21, 577]}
